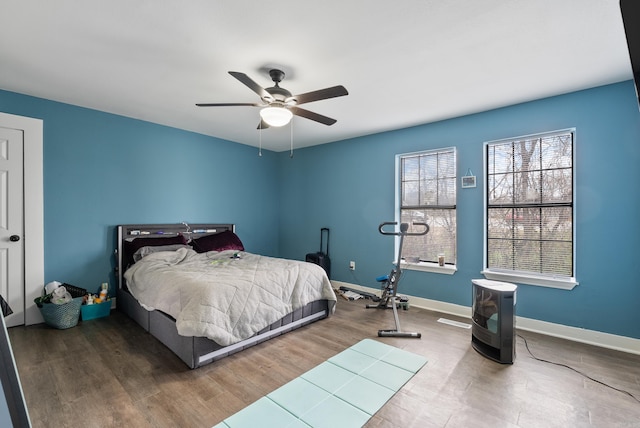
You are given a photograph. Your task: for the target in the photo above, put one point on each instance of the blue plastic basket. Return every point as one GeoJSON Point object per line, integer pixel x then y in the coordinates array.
{"type": "Point", "coordinates": [97, 310]}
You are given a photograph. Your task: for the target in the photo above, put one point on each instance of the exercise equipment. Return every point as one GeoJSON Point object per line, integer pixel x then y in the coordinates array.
{"type": "Point", "coordinates": [389, 283]}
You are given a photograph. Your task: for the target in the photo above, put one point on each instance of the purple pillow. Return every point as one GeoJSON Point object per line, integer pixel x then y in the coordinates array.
{"type": "Point", "coordinates": [226, 240]}
{"type": "Point", "coordinates": [130, 247]}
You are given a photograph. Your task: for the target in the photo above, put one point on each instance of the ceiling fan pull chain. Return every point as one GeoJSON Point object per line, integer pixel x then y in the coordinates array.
{"type": "Point", "coordinates": [291, 127]}
{"type": "Point", "coordinates": [260, 139]}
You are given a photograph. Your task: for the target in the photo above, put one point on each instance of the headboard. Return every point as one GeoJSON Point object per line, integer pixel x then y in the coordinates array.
{"type": "Point", "coordinates": [189, 231]}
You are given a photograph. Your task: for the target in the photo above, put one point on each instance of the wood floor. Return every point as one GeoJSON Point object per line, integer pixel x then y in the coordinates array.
{"type": "Point", "coordinates": [110, 373]}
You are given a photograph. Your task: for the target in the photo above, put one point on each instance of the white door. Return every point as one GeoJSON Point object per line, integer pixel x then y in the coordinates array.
{"type": "Point", "coordinates": [12, 223]}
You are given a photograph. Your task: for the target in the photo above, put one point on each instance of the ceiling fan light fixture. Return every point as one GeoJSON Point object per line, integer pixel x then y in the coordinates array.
{"type": "Point", "coordinates": [276, 116]}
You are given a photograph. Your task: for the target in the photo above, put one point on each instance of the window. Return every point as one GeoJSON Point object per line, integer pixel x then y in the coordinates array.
{"type": "Point", "coordinates": [529, 209]}
{"type": "Point", "coordinates": [428, 195]}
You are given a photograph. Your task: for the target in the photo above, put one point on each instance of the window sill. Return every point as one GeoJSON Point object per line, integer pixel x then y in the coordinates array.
{"type": "Point", "coordinates": [430, 267]}
{"type": "Point", "coordinates": [562, 283]}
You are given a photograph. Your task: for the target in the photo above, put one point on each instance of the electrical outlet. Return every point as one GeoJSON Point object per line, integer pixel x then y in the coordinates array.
{"type": "Point", "coordinates": [352, 265]}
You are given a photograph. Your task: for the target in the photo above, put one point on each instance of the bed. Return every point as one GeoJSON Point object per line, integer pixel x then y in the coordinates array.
{"type": "Point", "coordinates": [195, 289]}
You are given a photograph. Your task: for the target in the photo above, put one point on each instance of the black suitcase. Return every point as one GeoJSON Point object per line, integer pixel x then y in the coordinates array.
{"type": "Point", "coordinates": [321, 258]}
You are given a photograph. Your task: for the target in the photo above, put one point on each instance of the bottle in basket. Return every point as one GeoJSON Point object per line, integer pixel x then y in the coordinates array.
{"type": "Point", "coordinates": [104, 292]}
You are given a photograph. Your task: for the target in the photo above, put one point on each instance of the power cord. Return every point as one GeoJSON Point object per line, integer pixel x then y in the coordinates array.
{"type": "Point", "coordinates": [576, 370]}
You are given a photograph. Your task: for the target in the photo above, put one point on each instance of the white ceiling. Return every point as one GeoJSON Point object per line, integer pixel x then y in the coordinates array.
{"type": "Point", "coordinates": [404, 63]}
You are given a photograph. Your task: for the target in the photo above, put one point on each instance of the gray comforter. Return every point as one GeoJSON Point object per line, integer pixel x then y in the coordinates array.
{"type": "Point", "coordinates": [224, 298]}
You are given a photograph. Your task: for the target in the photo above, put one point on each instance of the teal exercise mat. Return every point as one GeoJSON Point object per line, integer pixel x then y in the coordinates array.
{"type": "Point", "coordinates": [344, 391]}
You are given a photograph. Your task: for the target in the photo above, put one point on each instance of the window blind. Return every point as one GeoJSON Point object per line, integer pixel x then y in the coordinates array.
{"type": "Point", "coordinates": [530, 204]}
{"type": "Point", "coordinates": [428, 195]}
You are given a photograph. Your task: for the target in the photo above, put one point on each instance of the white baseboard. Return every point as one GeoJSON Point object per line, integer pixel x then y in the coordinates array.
{"type": "Point", "coordinates": [591, 337]}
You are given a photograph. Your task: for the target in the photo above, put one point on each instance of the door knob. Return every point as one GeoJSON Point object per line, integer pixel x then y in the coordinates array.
{"type": "Point", "coordinates": [14, 238]}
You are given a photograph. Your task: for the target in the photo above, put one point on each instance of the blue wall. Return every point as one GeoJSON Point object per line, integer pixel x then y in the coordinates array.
{"type": "Point", "coordinates": [101, 170]}
{"type": "Point", "coordinates": [348, 186]}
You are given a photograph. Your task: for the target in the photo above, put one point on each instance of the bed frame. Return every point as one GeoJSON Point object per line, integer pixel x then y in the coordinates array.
{"type": "Point", "coordinates": [196, 351]}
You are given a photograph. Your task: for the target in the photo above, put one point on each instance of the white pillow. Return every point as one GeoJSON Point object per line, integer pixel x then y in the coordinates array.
{"type": "Point", "coordinates": [145, 251]}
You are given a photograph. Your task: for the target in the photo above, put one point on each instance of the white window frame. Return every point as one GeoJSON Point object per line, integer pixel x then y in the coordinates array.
{"type": "Point", "coordinates": [552, 281]}
{"type": "Point", "coordinates": [448, 269]}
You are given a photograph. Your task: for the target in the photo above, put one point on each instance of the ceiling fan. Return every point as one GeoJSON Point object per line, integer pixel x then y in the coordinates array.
{"type": "Point", "coordinates": [278, 104]}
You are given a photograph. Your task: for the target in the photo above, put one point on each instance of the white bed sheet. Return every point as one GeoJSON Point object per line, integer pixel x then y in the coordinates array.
{"type": "Point", "coordinates": [224, 298]}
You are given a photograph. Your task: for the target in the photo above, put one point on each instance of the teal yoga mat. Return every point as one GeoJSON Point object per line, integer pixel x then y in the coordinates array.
{"type": "Point", "coordinates": [344, 391]}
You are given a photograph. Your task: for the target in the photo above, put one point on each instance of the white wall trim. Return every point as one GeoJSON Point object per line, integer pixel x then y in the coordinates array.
{"type": "Point", "coordinates": [33, 209]}
{"type": "Point", "coordinates": [590, 337]}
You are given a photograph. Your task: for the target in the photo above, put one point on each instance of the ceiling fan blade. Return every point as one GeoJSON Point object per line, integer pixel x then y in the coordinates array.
{"type": "Point", "coordinates": [312, 116]}
{"type": "Point", "coordinates": [227, 104]}
{"type": "Point", "coordinates": [247, 81]}
{"type": "Point", "coordinates": [262, 125]}
{"type": "Point", "coordinates": [322, 94]}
